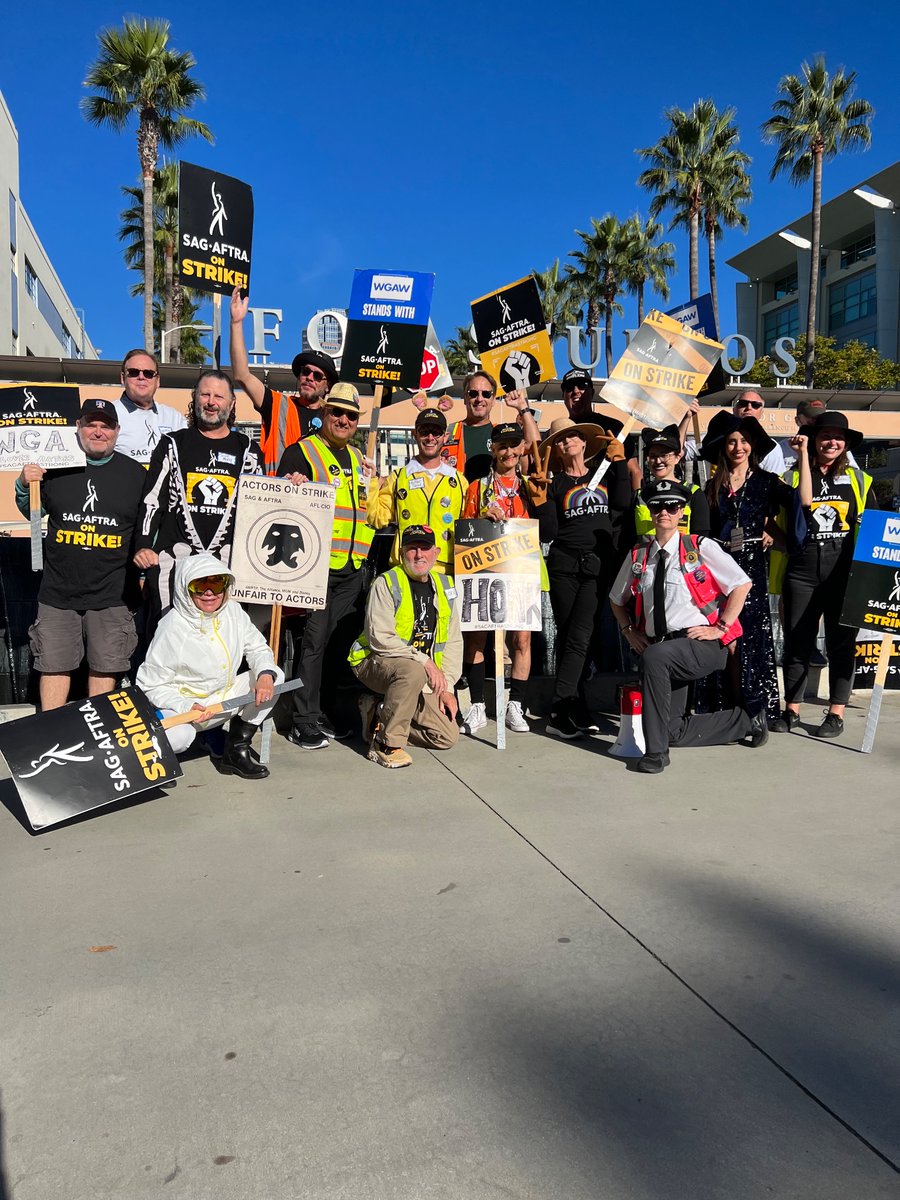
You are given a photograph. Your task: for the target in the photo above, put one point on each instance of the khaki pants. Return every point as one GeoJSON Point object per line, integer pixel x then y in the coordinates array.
{"type": "Point", "coordinates": [408, 713]}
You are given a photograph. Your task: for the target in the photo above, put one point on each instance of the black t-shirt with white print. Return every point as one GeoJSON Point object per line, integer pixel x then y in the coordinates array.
{"type": "Point", "coordinates": [424, 615]}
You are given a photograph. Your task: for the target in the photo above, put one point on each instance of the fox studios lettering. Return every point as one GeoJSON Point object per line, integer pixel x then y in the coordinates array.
{"type": "Point", "coordinates": [215, 230]}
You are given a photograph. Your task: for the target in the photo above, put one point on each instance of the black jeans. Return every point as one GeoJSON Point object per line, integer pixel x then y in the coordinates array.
{"type": "Point", "coordinates": [575, 599]}
{"type": "Point", "coordinates": [814, 587]}
{"type": "Point", "coordinates": [327, 639]}
{"type": "Point", "coordinates": [667, 668]}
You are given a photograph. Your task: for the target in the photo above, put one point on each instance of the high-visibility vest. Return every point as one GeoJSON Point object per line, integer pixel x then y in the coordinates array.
{"type": "Point", "coordinates": [350, 535]}
{"type": "Point", "coordinates": [701, 583]}
{"type": "Point", "coordinates": [401, 593]}
{"type": "Point", "coordinates": [284, 430]}
{"type": "Point", "coordinates": [437, 503]}
{"type": "Point", "coordinates": [644, 525]}
{"type": "Point", "coordinates": [860, 483]}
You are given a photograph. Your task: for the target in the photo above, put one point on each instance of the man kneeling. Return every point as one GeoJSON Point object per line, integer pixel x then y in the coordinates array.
{"type": "Point", "coordinates": [410, 653]}
{"type": "Point", "coordinates": [193, 660]}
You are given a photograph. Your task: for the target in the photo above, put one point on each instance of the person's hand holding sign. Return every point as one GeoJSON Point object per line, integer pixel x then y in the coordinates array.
{"type": "Point", "coordinates": [32, 473]}
{"type": "Point", "coordinates": [201, 714]}
{"type": "Point", "coordinates": [265, 688]}
{"type": "Point", "coordinates": [240, 306]}
{"type": "Point", "coordinates": [494, 512]}
{"type": "Point", "coordinates": [615, 451]}
{"type": "Point", "coordinates": [296, 478]}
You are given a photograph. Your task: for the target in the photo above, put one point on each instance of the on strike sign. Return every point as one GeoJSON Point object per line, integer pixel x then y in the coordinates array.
{"type": "Point", "coordinates": [497, 570]}
{"type": "Point", "coordinates": [387, 321]}
{"type": "Point", "coordinates": [215, 230]}
{"type": "Point", "coordinates": [37, 425]}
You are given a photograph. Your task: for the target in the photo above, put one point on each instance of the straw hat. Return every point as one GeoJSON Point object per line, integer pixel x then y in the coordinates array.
{"type": "Point", "coordinates": [594, 437]}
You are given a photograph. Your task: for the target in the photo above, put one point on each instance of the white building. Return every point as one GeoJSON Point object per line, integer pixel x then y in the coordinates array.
{"type": "Point", "coordinates": [36, 316]}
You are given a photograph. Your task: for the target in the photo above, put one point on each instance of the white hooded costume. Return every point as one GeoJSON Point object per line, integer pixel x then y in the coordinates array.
{"type": "Point", "coordinates": [195, 657]}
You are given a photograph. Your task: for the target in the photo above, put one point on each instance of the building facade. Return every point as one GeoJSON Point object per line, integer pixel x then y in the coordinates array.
{"type": "Point", "coordinates": [859, 282]}
{"type": "Point", "coordinates": [36, 316]}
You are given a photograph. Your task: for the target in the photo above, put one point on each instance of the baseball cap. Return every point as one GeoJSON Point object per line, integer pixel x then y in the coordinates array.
{"type": "Point", "coordinates": [343, 396]}
{"type": "Point", "coordinates": [665, 489]}
{"type": "Point", "coordinates": [509, 433]}
{"type": "Point", "coordinates": [668, 438]}
{"type": "Point", "coordinates": [811, 408]}
{"type": "Point", "coordinates": [576, 377]}
{"type": "Point", "coordinates": [431, 416]}
{"type": "Point", "coordinates": [417, 535]}
{"type": "Point", "coordinates": [103, 410]}
{"type": "Point", "coordinates": [315, 358]}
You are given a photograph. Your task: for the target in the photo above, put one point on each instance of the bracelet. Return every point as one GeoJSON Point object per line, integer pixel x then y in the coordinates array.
{"type": "Point", "coordinates": [626, 628]}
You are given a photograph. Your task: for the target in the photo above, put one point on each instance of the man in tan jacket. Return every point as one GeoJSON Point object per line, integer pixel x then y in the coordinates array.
{"type": "Point", "coordinates": [410, 654]}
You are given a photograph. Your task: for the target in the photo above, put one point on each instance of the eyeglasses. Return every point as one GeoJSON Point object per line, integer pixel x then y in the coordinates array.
{"type": "Point", "coordinates": [669, 506]}
{"type": "Point", "coordinates": [141, 372]}
{"type": "Point", "coordinates": [474, 393]}
{"type": "Point", "coordinates": [662, 455]}
{"type": "Point", "coordinates": [749, 403]}
{"type": "Point", "coordinates": [313, 373]}
{"type": "Point", "coordinates": [341, 412]}
{"type": "Point", "coordinates": [211, 583]}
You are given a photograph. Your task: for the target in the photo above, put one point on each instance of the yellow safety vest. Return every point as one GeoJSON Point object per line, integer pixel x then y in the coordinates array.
{"type": "Point", "coordinates": [401, 594]}
{"type": "Point", "coordinates": [778, 559]}
{"type": "Point", "coordinates": [643, 521]}
{"type": "Point", "coordinates": [437, 503]}
{"type": "Point", "coordinates": [350, 535]}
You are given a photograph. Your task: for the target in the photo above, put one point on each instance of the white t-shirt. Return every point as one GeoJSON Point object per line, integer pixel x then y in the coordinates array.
{"type": "Point", "coordinates": [141, 428]}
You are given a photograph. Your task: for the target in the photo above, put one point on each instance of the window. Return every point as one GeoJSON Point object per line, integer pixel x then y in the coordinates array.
{"type": "Point", "coordinates": [68, 345]}
{"type": "Point", "coordinates": [851, 301]}
{"type": "Point", "coordinates": [31, 281]}
{"type": "Point", "coordinates": [786, 286]}
{"type": "Point", "coordinates": [12, 222]}
{"type": "Point", "coordinates": [783, 322]}
{"type": "Point", "coordinates": [857, 251]}
{"type": "Point", "coordinates": [14, 303]}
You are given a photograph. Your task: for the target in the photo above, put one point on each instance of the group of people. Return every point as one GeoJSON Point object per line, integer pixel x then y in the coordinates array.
{"type": "Point", "coordinates": [138, 547]}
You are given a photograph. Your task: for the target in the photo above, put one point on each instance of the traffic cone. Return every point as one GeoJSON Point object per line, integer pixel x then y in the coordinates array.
{"type": "Point", "coordinates": [630, 742]}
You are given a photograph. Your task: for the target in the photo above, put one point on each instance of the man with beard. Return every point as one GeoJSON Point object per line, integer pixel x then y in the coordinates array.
{"type": "Point", "coordinates": [285, 418]}
{"type": "Point", "coordinates": [188, 504]}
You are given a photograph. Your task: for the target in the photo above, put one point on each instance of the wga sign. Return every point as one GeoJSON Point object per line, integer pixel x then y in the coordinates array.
{"type": "Point", "coordinates": [892, 530]}
{"type": "Point", "coordinates": [284, 546]}
{"type": "Point", "coordinates": [391, 287]}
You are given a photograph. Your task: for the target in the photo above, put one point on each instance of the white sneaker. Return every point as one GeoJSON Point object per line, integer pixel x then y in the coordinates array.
{"type": "Point", "coordinates": [475, 719]}
{"type": "Point", "coordinates": [515, 718]}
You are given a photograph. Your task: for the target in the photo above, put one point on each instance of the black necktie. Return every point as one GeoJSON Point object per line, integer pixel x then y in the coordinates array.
{"type": "Point", "coordinates": [660, 629]}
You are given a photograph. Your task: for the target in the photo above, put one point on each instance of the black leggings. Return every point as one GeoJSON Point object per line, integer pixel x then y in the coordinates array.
{"type": "Point", "coordinates": [575, 599]}
{"type": "Point", "coordinates": [814, 587]}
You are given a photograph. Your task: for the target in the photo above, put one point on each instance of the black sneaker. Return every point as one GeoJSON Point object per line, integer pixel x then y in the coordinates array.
{"type": "Point", "coordinates": [759, 731]}
{"type": "Point", "coordinates": [652, 764]}
{"type": "Point", "coordinates": [307, 737]}
{"type": "Point", "coordinates": [786, 723]}
{"type": "Point", "coordinates": [326, 727]}
{"type": "Point", "coordinates": [832, 726]}
{"type": "Point", "coordinates": [583, 721]}
{"type": "Point", "coordinates": [561, 725]}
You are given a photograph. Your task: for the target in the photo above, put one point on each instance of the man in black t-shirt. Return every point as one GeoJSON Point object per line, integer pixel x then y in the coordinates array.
{"type": "Point", "coordinates": [188, 504]}
{"type": "Point", "coordinates": [89, 588]}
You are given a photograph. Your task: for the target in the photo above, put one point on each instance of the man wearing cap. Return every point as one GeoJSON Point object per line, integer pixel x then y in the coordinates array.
{"type": "Point", "coordinates": [410, 654]}
{"type": "Point", "coordinates": [285, 418]}
{"type": "Point", "coordinates": [746, 404]}
{"type": "Point", "coordinates": [89, 590]}
{"type": "Point", "coordinates": [677, 599]}
{"type": "Point", "coordinates": [189, 493]}
{"type": "Point", "coordinates": [142, 421]}
{"type": "Point", "coordinates": [468, 445]}
{"type": "Point", "coordinates": [328, 457]}
{"type": "Point", "coordinates": [426, 491]}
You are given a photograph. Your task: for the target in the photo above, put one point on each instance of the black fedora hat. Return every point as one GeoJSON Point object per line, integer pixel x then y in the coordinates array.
{"type": "Point", "coordinates": [838, 422]}
{"type": "Point", "coordinates": [723, 425]}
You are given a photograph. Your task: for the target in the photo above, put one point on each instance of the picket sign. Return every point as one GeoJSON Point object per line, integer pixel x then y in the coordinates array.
{"type": "Point", "coordinates": [702, 469]}
{"type": "Point", "coordinates": [499, 648]}
{"type": "Point", "coordinates": [34, 516]}
{"type": "Point", "coordinates": [626, 429]}
{"type": "Point", "coordinates": [881, 670]}
{"type": "Point", "coordinates": [382, 393]}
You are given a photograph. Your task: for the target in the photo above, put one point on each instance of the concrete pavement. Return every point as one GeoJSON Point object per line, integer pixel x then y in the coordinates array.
{"type": "Point", "coordinates": [530, 974]}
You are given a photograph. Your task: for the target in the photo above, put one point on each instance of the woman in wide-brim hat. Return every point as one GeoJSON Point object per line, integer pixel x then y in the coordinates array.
{"type": "Point", "coordinates": [835, 495]}
{"type": "Point", "coordinates": [744, 502]}
{"type": "Point", "coordinates": [583, 557]}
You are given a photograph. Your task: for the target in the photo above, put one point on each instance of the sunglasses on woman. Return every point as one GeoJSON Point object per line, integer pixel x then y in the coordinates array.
{"type": "Point", "coordinates": [211, 583]}
{"type": "Point", "coordinates": [474, 393]}
{"type": "Point", "coordinates": [669, 506]}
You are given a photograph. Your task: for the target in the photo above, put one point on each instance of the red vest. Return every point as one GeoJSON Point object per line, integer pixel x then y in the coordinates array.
{"type": "Point", "coordinates": [701, 583]}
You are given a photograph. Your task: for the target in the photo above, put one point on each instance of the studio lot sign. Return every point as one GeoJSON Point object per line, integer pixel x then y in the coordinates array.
{"type": "Point", "coordinates": [215, 230]}
{"type": "Point", "coordinates": [37, 425]}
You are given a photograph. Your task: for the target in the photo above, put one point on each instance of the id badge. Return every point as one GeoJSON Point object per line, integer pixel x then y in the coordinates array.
{"type": "Point", "coordinates": [737, 538]}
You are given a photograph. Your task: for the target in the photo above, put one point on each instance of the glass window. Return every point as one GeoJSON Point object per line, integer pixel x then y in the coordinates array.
{"type": "Point", "coordinates": [31, 282]}
{"type": "Point", "coordinates": [14, 303]}
{"type": "Point", "coordinates": [851, 301]}
{"type": "Point", "coordinates": [786, 286]}
{"type": "Point", "coordinates": [783, 322]}
{"type": "Point", "coordinates": [12, 222]}
{"type": "Point", "coordinates": [862, 248]}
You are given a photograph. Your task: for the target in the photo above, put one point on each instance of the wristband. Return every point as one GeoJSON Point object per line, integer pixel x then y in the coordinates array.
{"type": "Point", "coordinates": [627, 628]}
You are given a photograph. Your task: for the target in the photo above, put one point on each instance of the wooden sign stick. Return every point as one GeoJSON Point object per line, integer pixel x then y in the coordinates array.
{"type": "Point", "coordinates": [265, 741]}
{"type": "Point", "coordinates": [881, 669]}
{"type": "Point", "coordinates": [702, 468]}
{"type": "Point", "coordinates": [37, 541]}
{"type": "Point", "coordinates": [382, 393]}
{"type": "Point", "coordinates": [500, 706]}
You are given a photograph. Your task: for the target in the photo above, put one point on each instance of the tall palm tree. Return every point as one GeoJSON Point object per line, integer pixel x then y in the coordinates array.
{"type": "Point", "coordinates": [698, 148]}
{"type": "Point", "coordinates": [600, 273]}
{"type": "Point", "coordinates": [815, 117]}
{"type": "Point", "coordinates": [456, 351]}
{"type": "Point", "coordinates": [136, 72]}
{"type": "Point", "coordinates": [560, 305]}
{"type": "Point", "coordinates": [725, 190]}
{"type": "Point", "coordinates": [649, 260]}
{"type": "Point", "coordinates": [190, 348]}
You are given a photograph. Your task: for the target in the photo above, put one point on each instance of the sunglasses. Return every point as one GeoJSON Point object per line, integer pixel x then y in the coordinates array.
{"type": "Point", "coordinates": [341, 412]}
{"type": "Point", "coordinates": [750, 404]}
{"type": "Point", "coordinates": [474, 393]}
{"type": "Point", "coordinates": [141, 373]}
{"type": "Point", "coordinates": [211, 583]}
{"type": "Point", "coordinates": [313, 373]}
{"type": "Point", "coordinates": [669, 506]}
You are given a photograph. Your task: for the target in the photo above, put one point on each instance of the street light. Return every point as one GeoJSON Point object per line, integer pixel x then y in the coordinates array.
{"type": "Point", "coordinates": [874, 198]}
{"type": "Point", "coordinates": [165, 333]}
{"type": "Point", "coordinates": [795, 239]}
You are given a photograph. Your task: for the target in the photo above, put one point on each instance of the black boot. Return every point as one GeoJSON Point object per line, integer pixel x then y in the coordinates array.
{"type": "Point", "coordinates": [238, 759]}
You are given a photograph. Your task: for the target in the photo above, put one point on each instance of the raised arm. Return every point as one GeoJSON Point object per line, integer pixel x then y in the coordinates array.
{"type": "Point", "coordinates": [237, 350]}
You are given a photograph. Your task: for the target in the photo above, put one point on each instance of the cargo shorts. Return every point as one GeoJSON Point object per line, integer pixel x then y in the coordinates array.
{"type": "Point", "coordinates": [60, 636]}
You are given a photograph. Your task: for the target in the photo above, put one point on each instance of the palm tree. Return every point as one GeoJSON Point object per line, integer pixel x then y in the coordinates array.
{"type": "Point", "coordinates": [725, 190]}
{"type": "Point", "coordinates": [649, 261]}
{"type": "Point", "coordinates": [814, 118]}
{"type": "Point", "coordinates": [457, 349]}
{"type": "Point", "coordinates": [560, 305]}
{"type": "Point", "coordinates": [137, 73]}
{"type": "Point", "coordinates": [190, 348]}
{"type": "Point", "coordinates": [600, 274]}
{"type": "Point", "coordinates": [694, 156]}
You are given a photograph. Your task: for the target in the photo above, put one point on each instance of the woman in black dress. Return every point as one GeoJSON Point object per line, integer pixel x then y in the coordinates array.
{"type": "Point", "coordinates": [743, 504]}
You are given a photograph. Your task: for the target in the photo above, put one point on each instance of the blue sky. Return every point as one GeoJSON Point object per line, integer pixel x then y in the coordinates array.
{"type": "Point", "coordinates": [465, 139]}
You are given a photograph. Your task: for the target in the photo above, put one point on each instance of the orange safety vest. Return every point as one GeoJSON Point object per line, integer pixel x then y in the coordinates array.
{"type": "Point", "coordinates": [284, 430]}
{"type": "Point", "coordinates": [701, 583]}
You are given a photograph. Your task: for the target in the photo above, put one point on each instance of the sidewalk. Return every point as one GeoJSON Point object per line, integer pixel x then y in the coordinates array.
{"type": "Point", "coordinates": [527, 974]}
